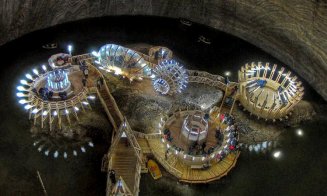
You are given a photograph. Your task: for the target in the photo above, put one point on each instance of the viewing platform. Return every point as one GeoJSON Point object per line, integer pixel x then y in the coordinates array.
{"type": "Point", "coordinates": [186, 173]}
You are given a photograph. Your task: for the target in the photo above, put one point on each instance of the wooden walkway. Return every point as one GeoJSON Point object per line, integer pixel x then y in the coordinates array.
{"type": "Point", "coordinates": [123, 163]}
{"type": "Point", "coordinates": [123, 159]}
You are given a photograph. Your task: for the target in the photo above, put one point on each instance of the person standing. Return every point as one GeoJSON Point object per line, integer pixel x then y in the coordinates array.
{"type": "Point", "coordinates": [84, 82]}
{"type": "Point", "coordinates": [112, 176]}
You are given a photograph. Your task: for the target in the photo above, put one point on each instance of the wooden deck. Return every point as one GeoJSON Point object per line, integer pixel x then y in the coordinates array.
{"type": "Point", "coordinates": [185, 173]}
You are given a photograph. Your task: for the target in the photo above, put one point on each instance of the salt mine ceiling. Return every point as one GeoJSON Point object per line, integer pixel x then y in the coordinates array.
{"type": "Point", "coordinates": [293, 31]}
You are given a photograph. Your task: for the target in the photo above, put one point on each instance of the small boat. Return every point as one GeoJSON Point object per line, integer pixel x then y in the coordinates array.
{"type": "Point", "coordinates": [154, 169]}
{"type": "Point", "coordinates": [204, 40]}
{"type": "Point", "coordinates": [185, 22]}
{"type": "Point", "coordinates": [50, 46]}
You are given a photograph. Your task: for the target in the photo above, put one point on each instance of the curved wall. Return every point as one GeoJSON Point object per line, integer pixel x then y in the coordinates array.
{"type": "Point", "coordinates": [294, 31]}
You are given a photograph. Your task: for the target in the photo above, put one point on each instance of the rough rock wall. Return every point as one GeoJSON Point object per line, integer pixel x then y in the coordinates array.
{"type": "Point", "coordinates": [294, 31]}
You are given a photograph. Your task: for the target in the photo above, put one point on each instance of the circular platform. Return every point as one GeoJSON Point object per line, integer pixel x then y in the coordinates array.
{"type": "Point", "coordinates": [267, 92]}
{"type": "Point", "coordinates": [220, 140]}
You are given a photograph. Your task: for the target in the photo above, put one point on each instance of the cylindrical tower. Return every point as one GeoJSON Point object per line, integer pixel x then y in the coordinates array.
{"type": "Point", "coordinates": [195, 128]}
{"type": "Point", "coordinates": [58, 81]}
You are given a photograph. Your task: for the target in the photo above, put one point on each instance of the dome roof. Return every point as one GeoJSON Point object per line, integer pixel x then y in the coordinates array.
{"type": "Point", "coordinates": [128, 60]}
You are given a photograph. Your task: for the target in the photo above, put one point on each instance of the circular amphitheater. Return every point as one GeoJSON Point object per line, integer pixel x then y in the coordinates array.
{"type": "Point", "coordinates": [267, 92]}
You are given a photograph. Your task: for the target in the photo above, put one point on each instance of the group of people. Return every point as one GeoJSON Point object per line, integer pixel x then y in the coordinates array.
{"type": "Point", "coordinates": [167, 135]}
{"type": "Point", "coordinates": [44, 93]}
{"type": "Point", "coordinates": [232, 144]}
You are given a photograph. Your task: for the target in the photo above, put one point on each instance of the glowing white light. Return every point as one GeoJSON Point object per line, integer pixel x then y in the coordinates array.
{"type": "Point", "coordinates": [21, 94]}
{"type": "Point", "coordinates": [35, 71]}
{"type": "Point", "coordinates": [203, 158]}
{"type": "Point", "coordinates": [44, 68]}
{"type": "Point", "coordinates": [45, 113]}
{"type": "Point", "coordinates": [70, 48]}
{"type": "Point", "coordinates": [21, 88]}
{"type": "Point", "coordinates": [55, 154]}
{"type": "Point", "coordinates": [94, 53]}
{"type": "Point", "coordinates": [91, 97]}
{"type": "Point", "coordinates": [152, 76]}
{"type": "Point", "coordinates": [227, 73]}
{"type": "Point", "coordinates": [85, 103]}
{"type": "Point", "coordinates": [65, 155]}
{"type": "Point", "coordinates": [67, 111]}
{"type": "Point", "coordinates": [29, 76]}
{"type": "Point", "coordinates": [299, 132]}
{"type": "Point", "coordinates": [35, 111]}
{"type": "Point", "coordinates": [118, 71]}
{"type": "Point", "coordinates": [55, 113]}
{"type": "Point", "coordinates": [24, 82]}
{"type": "Point", "coordinates": [184, 156]}
{"type": "Point", "coordinates": [46, 152]}
{"type": "Point", "coordinates": [176, 152]}
{"type": "Point", "coordinates": [74, 153]}
{"type": "Point", "coordinates": [83, 149]}
{"type": "Point", "coordinates": [76, 108]}
{"type": "Point", "coordinates": [22, 101]}
{"type": "Point", "coordinates": [277, 154]}
{"type": "Point", "coordinates": [27, 107]}
{"type": "Point", "coordinates": [91, 144]}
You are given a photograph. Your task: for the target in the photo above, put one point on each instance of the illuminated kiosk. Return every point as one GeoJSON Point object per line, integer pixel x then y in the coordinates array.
{"type": "Point", "coordinates": [58, 82]}
{"type": "Point", "coordinates": [195, 128]}
{"type": "Point", "coordinates": [206, 145]}
{"type": "Point", "coordinates": [53, 92]}
{"type": "Point", "coordinates": [169, 77]}
{"type": "Point", "coordinates": [122, 61]}
{"type": "Point", "coordinates": [267, 92]}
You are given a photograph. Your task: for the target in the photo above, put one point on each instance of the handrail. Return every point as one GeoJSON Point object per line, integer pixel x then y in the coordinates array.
{"type": "Point", "coordinates": [216, 177]}
{"type": "Point", "coordinates": [61, 104]}
{"type": "Point", "coordinates": [106, 108]}
{"type": "Point", "coordinates": [203, 77]}
{"type": "Point", "coordinates": [167, 166]}
{"type": "Point", "coordinates": [112, 99]}
{"type": "Point", "coordinates": [146, 135]}
{"type": "Point", "coordinates": [137, 178]}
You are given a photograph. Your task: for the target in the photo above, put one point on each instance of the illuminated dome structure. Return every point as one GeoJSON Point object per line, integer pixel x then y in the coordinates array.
{"type": "Point", "coordinates": [123, 61]}
{"type": "Point", "coordinates": [52, 92]}
{"type": "Point", "coordinates": [195, 128]}
{"type": "Point", "coordinates": [267, 92]}
{"type": "Point", "coordinates": [169, 77]}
